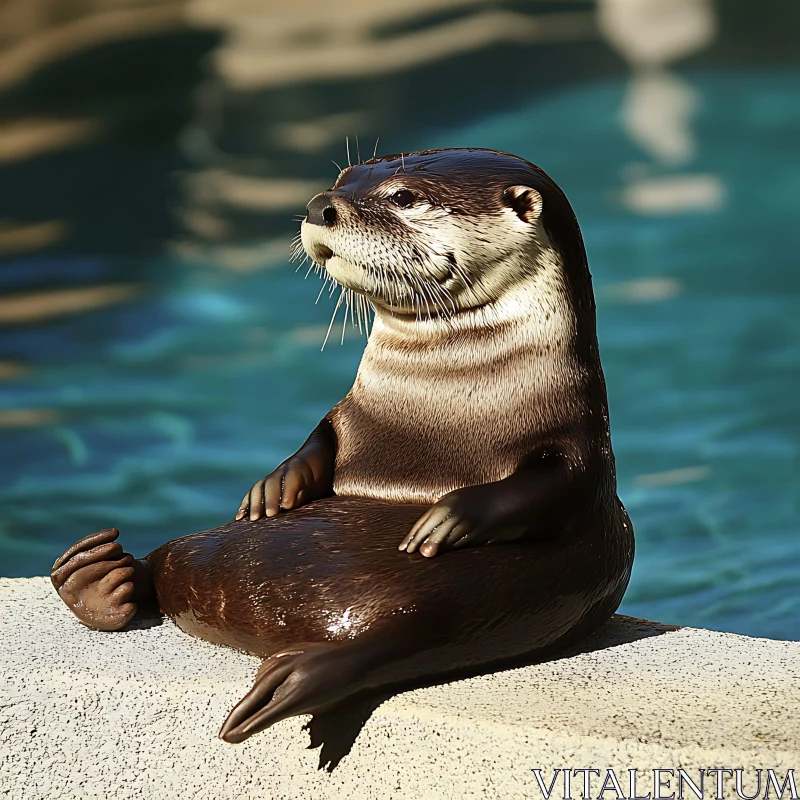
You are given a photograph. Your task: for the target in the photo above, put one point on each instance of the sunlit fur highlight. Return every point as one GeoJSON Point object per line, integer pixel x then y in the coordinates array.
{"type": "Point", "coordinates": [472, 361]}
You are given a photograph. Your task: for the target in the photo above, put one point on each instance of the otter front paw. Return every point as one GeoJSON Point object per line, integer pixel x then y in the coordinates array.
{"type": "Point", "coordinates": [455, 521]}
{"type": "Point", "coordinates": [289, 486]}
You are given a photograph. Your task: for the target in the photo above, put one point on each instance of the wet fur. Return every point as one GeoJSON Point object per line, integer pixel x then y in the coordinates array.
{"type": "Point", "coordinates": [460, 385]}
{"type": "Point", "coordinates": [468, 383]}
{"type": "Point", "coordinates": [449, 400]}
{"type": "Point", "coordinates": [330, 571]}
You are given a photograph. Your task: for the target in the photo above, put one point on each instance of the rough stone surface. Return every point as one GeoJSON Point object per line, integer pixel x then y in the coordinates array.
{"type": "Point", "coordinates": [85, 714]}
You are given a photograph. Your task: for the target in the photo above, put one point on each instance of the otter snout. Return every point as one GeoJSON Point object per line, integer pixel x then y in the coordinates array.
{"type": "Point", "coordinates": [321, 211]}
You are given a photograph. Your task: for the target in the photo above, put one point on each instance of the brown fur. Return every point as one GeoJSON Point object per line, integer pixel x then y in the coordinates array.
{"type": "Point", "coordinates": [490, 385]}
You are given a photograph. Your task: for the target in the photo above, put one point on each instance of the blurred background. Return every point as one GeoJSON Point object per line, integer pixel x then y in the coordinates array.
{"type": "Point", "coordinates": [158, 352]}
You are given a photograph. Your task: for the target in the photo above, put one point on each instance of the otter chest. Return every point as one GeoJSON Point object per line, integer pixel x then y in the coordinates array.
{"type": "Point", "coordinates": [413, 429]}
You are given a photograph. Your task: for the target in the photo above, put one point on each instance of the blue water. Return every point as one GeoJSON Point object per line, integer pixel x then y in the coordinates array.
{"type": "Point", "coordinates": [165, 408]}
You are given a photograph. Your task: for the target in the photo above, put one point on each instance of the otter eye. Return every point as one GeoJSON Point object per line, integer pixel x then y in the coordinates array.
{"type": "Point", "coordinates": [404, 198]}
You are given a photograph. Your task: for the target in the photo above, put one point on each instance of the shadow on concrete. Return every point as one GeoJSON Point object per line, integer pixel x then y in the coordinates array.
{"type": "Point", "coordinates": [335, 732]}
{"type": "Point", "coordinates": [620, 629]}
{"type": "Point", "coordinates": [145, 622]}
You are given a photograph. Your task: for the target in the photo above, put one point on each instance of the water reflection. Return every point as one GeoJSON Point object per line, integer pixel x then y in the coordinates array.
{"type": "Point", "coordinates": [286, 88]}
{"type": "Point", "coordinates": [659, 107]}
{"type": "Point", "coordinates": [157, 353]}
{"type": "Point", "coordinates": [92, 99]}
{"type": "Point", "coordinates": [650, 35]}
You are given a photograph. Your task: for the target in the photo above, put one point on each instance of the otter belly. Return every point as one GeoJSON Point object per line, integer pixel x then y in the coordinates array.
{"type": "Point", "coordinates": [325, 571]}
{"type": "Point", "coordinates": [331, 571]}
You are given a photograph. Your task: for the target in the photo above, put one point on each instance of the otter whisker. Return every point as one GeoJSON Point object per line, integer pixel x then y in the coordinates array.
{"type": "Point", "coordinates": [301, 265]}
{"type": "Point", "coordinates": [351, 302]}
{"type": "Point", "coordinates": [347, 144]}
{"type": "Point", "coordinates": [358, 151]}
{"type": "Point", "coordinates": [415, 297]}
{"type": "Point", "coordinates": [438, 291]}
{"type": "Point", "coordinates": [347, 307]}
{"type": "Point", "coordinates": [324, 284]}
{"type": "Point", "coordinates": [428, 298]}
{"type": "Point", "coordinates": [398, 284]}
{"type": "Point", "coordinates": [408, 292]}
{"type": "Point", "coordinates": [465, 279]}
{"type": "Point", "coordinates": [367, 306]}
{"type": "Point", "coordinates": [360, 312]}
{"type": "Point", "coordinates": [335, 310]}
{"type": "Point", "coordinates": [434, 290]}
{"type": "Point", "coordinates": [405, 284]}
{"type": "Point", "coordinates": [375, 150]}
{"type": "Point", "coordinates": [337, 166]}
{"type": "Point", "coordinates": [296, 250]}
{"type": "Point", "coordinates": [384, 284]}
{"type": "Point", "coordinates": [357, 306]}
{"type": "Point", "coordinates": [424, 295]}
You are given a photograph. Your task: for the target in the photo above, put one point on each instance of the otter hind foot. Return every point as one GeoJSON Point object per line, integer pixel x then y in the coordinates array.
{"type": "Point", "coordinates": [99, 581]}
{"type": "Point", "coordinates": [305, 679]}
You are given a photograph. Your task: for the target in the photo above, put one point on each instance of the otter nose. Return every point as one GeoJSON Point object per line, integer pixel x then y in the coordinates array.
{"type": "Point", "coordinates": [320, 211]}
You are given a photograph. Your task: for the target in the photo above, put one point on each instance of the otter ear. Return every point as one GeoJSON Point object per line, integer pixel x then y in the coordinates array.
{"type": "Point", "coordinates": [525, 202]}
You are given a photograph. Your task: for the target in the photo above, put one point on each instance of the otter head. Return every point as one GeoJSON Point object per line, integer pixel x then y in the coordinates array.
{"type": "Point", "coordinates": [439, 232]}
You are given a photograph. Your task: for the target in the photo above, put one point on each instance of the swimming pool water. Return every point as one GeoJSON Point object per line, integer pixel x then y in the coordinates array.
{"type": "Point", "coordinates": [156, 414]}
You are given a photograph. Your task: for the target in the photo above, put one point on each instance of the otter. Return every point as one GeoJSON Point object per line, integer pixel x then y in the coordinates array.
{"type": "Point", "coordinates": [475, 440]}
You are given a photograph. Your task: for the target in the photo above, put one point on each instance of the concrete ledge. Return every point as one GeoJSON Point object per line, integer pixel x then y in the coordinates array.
{"type": "Point", "coordinates": [85, 714]}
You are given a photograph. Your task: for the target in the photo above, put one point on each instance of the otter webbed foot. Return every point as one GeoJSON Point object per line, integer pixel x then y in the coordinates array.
{"type": "Point", "coordinates": [534, 500]}
{"type": "Point", "coordinates": [305, 679]}
{"type": "Point", "coordinates": [305, 476]}
{"type": "Point", "coordinates": [100, 583]}
{"type": "Point", "coordinates": [457, 520]}
{"type": "Point", "coordinates": [291, 485]}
